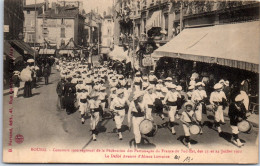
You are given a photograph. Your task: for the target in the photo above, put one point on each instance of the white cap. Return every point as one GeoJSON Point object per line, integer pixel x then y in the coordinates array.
{"type": "Point", "coordinates": [239, 98]}
{"type": "Point", "coordinates": [113, 89]}
{"type": "Point", "coordinates": [218, 86]}
{"type": "Point", "coordinates": [191, 87]}
{"type": "Point", "coordinates": [160, 80]}
{"type": "Point", "coordinates": [221, 81]}
{"type": "Point", "coordinates": [145, 78]}
{"type": "Point", "coordinates": [103, 88]}
{"type": "Point", "coordinates": [200, 84]}
{"type": "Point", "coordinates": [164, 89]}
{"type": "Point", "coordinates": [158, 88]}
{"type": "Point", "coordinates": [226, 83]}
{"type": "Point", "coordinates": [188, 103]}
{"type": "Point", "coordinates": [150, 87]}
{"type": "Point", "coordinates": [178, 88]}
{"type": "Point", "coordinates": [172, 86]}
{"type": "Point", "coordinates": [168, 79]}
{"type": "Point", "coordinates": [30, 60]}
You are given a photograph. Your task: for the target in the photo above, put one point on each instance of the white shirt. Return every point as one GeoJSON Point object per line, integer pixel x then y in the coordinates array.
{"type": "Point", "coordinates": [149, 98]}
{"type": "Point", "coordinates": [198, 95]}
{"type": "Point", "coordinates": [118, 102]}
{"type": "Point", "coordinates": [171, 96]}
{"type": "Point", "coordinates": [217, 96]}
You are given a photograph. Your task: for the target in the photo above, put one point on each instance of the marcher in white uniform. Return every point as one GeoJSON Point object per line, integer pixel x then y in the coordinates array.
{"type": "Point", "coordinates": [187, 118]}
{"type": "Point", "coordinates": [83, 103]}
{"type": "Point", "coordinates": [94, 108]}
{"type": "Point", "coordinates": [118, 107]}
{"type": "Point", "coordinates": [171, 101]}
{"type": "Point", "coordinates": [102, 96]}
{"type": "Point", "coordinates": [149, 99]}
{"type": "Point", "coordinates": [218, 100]}
{"type": "Point", "coordinates": [198, 98]}
{"type": "Point", "coordinates": [136, 115]}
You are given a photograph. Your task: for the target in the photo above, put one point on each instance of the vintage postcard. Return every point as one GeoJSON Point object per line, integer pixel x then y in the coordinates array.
{"type": "Point", "coordinates": [131, 81]}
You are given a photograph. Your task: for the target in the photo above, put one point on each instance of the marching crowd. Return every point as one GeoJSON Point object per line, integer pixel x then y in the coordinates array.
{"type": "Point", "coordinates": [94, 90]}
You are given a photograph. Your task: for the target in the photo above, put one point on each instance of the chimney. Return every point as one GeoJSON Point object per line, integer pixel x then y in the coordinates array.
{"type": "Point", "coordinates": [54, 7]}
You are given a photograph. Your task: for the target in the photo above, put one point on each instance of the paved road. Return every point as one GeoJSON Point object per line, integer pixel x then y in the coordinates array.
{"type": "Point", "coordinates": [43, 125]}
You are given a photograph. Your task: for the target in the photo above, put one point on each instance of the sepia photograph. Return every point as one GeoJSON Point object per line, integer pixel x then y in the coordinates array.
{"type": "Point", "coordinates": [131, 81]}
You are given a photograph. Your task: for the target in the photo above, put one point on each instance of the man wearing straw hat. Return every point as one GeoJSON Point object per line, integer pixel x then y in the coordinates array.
{"type": "Point", "coordinates": [136, 115]}
{"type": "Point", "coordinates": [218, 100]}
{"type": "Point", "coordinates": [118, 107]}
{"type": "Point", "coordinates": [171, 101]}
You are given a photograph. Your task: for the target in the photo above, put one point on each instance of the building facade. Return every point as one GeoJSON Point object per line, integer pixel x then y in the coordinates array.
{"type": "Point", "coordinates": [107, 31]}
{"type": "Point", "coordinates": [30, 21]}
{"type": "Point", "coordinates": [13, 19]}
{"type": "Point", "coordinates": [60, 24]}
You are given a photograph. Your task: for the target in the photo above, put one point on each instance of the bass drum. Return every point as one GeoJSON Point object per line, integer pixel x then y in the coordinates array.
{"type": "Point", "coordinates": [195, 129]}
{"type": "Point", "coordinates": [244, 126]}
{"type": "Point", "coordinates": [148, 128]}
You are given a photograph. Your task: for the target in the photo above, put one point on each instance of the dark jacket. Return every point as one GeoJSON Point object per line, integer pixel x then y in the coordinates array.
{"type": "Point", "coordinates": [234, 113]}
{"type": "Point", "coordinates": [60, 88]}
{"type": "Point", "coordinates": [16, 81]}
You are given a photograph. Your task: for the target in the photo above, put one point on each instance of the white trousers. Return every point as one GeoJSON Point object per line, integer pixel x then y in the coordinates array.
{"type": "Point", "coordinates": [149, 114]}
{"type": "Point", "coordinates": [16, 91]}
{"type": "Point", "coordinates": [172, 112]}
{"type": "Point", "coordinates": [103, 104]}
{"type": "Point", "coordinates": [234, 129]}
{"type": "Point", "coordinates": [89, 88]}
{"type": "Point", "coordinates": [186, 130]}
{"type": "Point", "coordinates": [219, 116]}
{"type": "Point", "coordinates": [83, 108]}
{"type": "Point", "coordinates": [136, 129]}
{"type": "Point", "coordinates": [198, 112]}
{"type": "Point", "coordinates": [94, 120]}
{"type": "Point", "coordinates": [119, 118]}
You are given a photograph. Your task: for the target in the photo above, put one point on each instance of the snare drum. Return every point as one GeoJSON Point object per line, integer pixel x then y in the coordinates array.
{"type": "Point", "coordinates": [148, 128]}
{"type": "Point", "coordinates": [195, 129]}
{"type": "Point", "coordinates": [244, 126]}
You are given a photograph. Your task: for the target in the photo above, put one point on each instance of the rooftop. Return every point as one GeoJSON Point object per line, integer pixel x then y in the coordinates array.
{"type": "Point", "coordinates": [62, 12]}
{"type": "Point", "coordinates": [32, 6]}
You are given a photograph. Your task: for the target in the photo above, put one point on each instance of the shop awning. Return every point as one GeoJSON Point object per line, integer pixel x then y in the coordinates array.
{"type": "Point", "coordinates": [10, 52]}
{"type": "Point", "coordinates": [24, 46]}
{"type": "Point", "coordinates": [47, 51]}
{"type": "Point", "coordinates": [155, 20]}
{"type": "Point", "coordinates": [233, 45]}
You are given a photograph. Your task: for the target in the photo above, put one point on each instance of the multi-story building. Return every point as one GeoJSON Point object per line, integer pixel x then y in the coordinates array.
{"type": "Point", "coordinates": [30, 15]}
{"type": "Point", "coordinates": [107, 31]}
{"type": "Point", "coordinates": [60, 24]}
{"type": "Point", "coordinates": [13, 19]}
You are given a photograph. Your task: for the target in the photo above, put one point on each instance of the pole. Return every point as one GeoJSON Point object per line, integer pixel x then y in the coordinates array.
{"type": "Point", "coordinates": [181, 16]}
{"type": "Point", "coordinates": [34, 53]}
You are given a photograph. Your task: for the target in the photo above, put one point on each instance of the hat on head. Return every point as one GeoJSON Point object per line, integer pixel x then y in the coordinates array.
{"type": "Point", "coordinates": [113, 78]}
{"type": "Point", "coordinates": [200, 84]}
{"type": "Point", "coordinates": [239, 98]}
{"type": "Point", "coordinates": [218, 86]}
{"type": "Point", "coordinates": [119, 91]}
{"type": "Point", "coordinates": [164, 89]}
{"type": "Point", "coordinates": [168, 79]}
{"type": "Point", "coordinates": [160, 80]}
{"type": "Point", "coordinates": [221, 81]}
{"type": "Point", "coordinates": [138, 73]}
{"type": "Point", "coordinates": [188, 103]}
{"type": "Point", "coordinates": [158, 88]}
{"type": "Point", "coordinates": [179, 88]}
{"type": "Point", "coordinates": [16, 72]}
{"type": "Point", "coordinates": [172, 86]}
{"type": "Point", "coordinates": [138, 94]}
{"type": "Point", "coordinates": [30, 60]}
{"type": "Point", "coordinates": [226, 83]}
{"type": "Point", "coordinates": [191, 87]}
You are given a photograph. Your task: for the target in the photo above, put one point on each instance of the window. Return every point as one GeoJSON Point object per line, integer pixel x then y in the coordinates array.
{"type": "Point", "coordinates": [28, 12]}
{"type": "Point", "coordinates": [31, 37]}
{"type": "Point", "coordinates": [62, 32]}
{"type": "Point", "coordinates": [62, 21]}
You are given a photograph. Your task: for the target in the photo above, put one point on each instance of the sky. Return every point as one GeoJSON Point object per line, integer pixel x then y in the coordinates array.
{"type": "Point", "coordinates": [102, 5]}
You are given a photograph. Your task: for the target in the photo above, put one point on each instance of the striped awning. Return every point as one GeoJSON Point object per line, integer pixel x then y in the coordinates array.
{"type": "Point", "coordinates": [232, 45]}
{"type": "Point", "coordinates": [155, 20]}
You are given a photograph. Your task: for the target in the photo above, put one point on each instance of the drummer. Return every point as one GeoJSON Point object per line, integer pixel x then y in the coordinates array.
{"type": "Point", "coordinates": [118, 107]}
{"type": "Point", "coordinates": [187, 118]}
{"type": "Point", "coordinates": [237, 113]}
{"type": "Point", "coordinates": [136, 115]}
